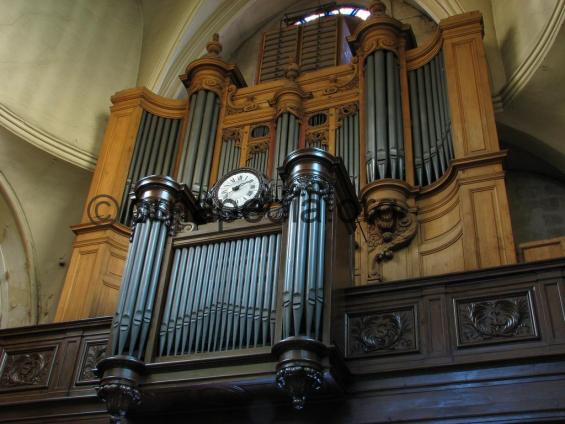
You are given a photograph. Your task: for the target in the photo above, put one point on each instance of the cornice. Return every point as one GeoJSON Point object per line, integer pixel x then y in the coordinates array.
{"type": "Point", "coordinates": [533, 60]}
{"type": "Point", "coordinates": [45, 141]}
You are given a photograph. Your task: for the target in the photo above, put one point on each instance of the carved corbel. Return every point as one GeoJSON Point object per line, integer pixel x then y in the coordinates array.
{"type": "Point", "coordinates": [392, 225]}
{"type": "Point", "coordinates": [390, 214]}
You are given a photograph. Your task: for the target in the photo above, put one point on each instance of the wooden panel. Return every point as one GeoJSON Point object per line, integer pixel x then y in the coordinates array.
{"type": "Point", "coordinates": [92, 283]}
{"type": "Point", "coordinates": [487, 226]}
{"type": "Point", "coordinates": [470, 101]}
{"type": "Point", "coordinates": [444, 258]}
{"type": "Point", "coordinates": [542, 249]}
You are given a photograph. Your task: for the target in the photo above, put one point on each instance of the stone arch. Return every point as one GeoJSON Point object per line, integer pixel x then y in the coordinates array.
{"type": "Point", "coordinates": [18, 283]}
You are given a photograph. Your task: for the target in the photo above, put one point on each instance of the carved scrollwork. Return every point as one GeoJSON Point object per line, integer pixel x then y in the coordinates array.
{"type": "Point", "coordinates": [317, 138]}
{"type": "Point", "coordinates": [391, 225]}
{"type": "Point", "coordinates": [232, 108]}
{"type": "Point", "coordinates": [344, 111]}
{"type": "Point", "coordinates": [26, 369]}
{"type": "Point", "coordinates": [159, 210]}
{"type": "Point", "coordinates": [495, 320]}
{"type": "Point", "coordinates": [385, 332]}
{"type": "Point", "coordinates": [312, 184]}
{"type": "Point", "coordinates": [350, 84]}
{"type": "Point", "coordinates": [232, 134]}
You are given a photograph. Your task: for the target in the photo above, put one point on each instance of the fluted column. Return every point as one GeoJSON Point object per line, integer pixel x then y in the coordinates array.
{"type": "Point", "coordinates": [322, 207]}
{"type": "Point", "coordinates": [160, 205]}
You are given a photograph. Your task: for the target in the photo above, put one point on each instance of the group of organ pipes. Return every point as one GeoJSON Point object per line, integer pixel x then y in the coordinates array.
{"type": "Point", "coordinates": [402, 135]}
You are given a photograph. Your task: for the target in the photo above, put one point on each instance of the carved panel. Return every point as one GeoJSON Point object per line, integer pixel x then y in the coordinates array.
{"type": "Point", "coordinates": [93, 353]}
{"type": "Point", "coordinates": [384, 332]}
{"type": "Point", "coordinates": [26, 369]}
{"type": "Point", "coordinates": [501, 318]}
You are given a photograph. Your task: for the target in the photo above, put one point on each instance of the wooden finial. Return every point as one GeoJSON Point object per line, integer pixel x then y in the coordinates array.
{"type": "Point", "coordinates": [291, 71]}
{"type": "Point", "coordinates": [214, 47]}
{"type": "Point", "coordinates": [377, 8]}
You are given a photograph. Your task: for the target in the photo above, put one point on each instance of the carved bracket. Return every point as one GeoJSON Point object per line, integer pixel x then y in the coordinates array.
{"type": "Point", "coordinates": [391, 226]}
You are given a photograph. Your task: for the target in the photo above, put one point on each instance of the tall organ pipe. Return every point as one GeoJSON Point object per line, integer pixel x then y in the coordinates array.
{"type": "Point", "coordinates": [288, 130]}
{"type": "Point", "coordinates": [384, 155]}
{"type": "Point", "coordinates": [155, 145]}
{"type": "Point", "coordinates": [134, 314]}
{"type": "Point", "coordinates": [196, 159]}
{"type": "Point", "coordinates": [431, 125]}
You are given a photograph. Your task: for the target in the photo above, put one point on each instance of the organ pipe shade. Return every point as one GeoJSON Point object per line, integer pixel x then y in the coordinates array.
{"type": "Point", "coordinates": [431, 122]}
{"type": "Point", "coordinates": [288, 133]}
{"type": "Point", "coordinates": [384, 139]}
{"type": "Point", "coordinates": [347, 146]}
{"type": "Point", "coordinates": [154, 153]}
{"type": "Point", "coordinates": [196, 157]}
{"type": "Point", "coordinates": [229, 157]}
{"type": "Point", "coordinates": [221, 296]}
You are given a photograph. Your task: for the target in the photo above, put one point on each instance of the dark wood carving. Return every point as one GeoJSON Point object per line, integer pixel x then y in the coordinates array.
{"type": "Point", "coordinates": [497, 319]}
{"type": "Point", "coordinates": [26, 369]}
{"type": "Point", "coordinates": [93, 354]}
{"type": "Point", "coordinates": [386, 332]}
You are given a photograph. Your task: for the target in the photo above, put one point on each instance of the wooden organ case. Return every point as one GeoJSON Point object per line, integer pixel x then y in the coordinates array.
{"type": "Point", "coordinates": [395, 146]}
{"type": "Point", "coordinates": [414, 127]}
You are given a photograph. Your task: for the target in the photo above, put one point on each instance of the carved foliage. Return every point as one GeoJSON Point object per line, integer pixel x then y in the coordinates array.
{"type": "Point", "coordinates": [384, 332]}
{"type": "Point", "coordinates": [159, 210]}
{"type": "Point", "coordinates": [492, 320]}
{"type": "Point", "coordinates": [94, 353]}
{"type": "Point", "coordinates": [350, 84]}
{"type": "Point", "coordinates": [390, 226]}
{"type": "Point", "coordinates": [21, 369]}
{"type": "Point", "coordinates": [248, 105]}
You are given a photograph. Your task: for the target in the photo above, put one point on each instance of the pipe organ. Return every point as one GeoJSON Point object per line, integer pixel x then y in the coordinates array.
{"type": "Point", "coordinates": [287, 236]}
{"type": "Point", "coordinates": [413, 125]}
{"type": "Point", "coordinates": [376, 162]}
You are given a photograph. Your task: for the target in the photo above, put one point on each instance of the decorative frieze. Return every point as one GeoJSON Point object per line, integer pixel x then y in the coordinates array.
{"type": "Point", "coordinates": [26, 369]}
{"type": "Point", "coordinates": [501, 318]}
{"type": "Point", "coordinates": [382, 332]}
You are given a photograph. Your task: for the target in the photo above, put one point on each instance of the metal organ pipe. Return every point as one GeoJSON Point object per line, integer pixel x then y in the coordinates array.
{"type": "Point", "coordinates": [130, 327]}
{"type": "Point", "coordinates": [155, 145]}
{"type": "Point", "coordinates": [228, 292]}
{"type": "Point", "coordinates": [384, 155]}
{"type": "Point", "coordinates": [197, 153]}
{"type": "Point", "coordinates": [431, 125]}
{"type": "Point", "coordinates": [288, 130]}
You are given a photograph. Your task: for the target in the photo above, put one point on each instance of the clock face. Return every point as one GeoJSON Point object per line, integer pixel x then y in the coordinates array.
{"type": "Point", "coordinates": [238, 189]}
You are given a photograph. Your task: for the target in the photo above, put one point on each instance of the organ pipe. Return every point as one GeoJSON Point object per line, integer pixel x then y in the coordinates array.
{"type": "Point", "coordinates": [431, 124]}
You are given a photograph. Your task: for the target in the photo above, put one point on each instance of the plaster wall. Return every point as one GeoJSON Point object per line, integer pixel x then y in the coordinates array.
{"type": "Point", "coordinates": [51, 194]}
{"type": "Point", "coordinates": [60, 61]}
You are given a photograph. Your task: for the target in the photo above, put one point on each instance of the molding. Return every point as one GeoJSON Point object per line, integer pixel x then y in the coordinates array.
{"type": "Point", "coordinates": [526, 70]}
{"type": "Point", "coordinates": [45, 141]}
{"type": "Point", "coordinates": [9, 194]}
{"type": "Point", "coordinates": [441, 9]}
{"type": "Point", "coordinates": [196, 47]}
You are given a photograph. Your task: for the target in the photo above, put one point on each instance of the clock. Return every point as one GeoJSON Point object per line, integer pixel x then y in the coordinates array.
{"type": "Point", "coordinates": [239, 190]}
